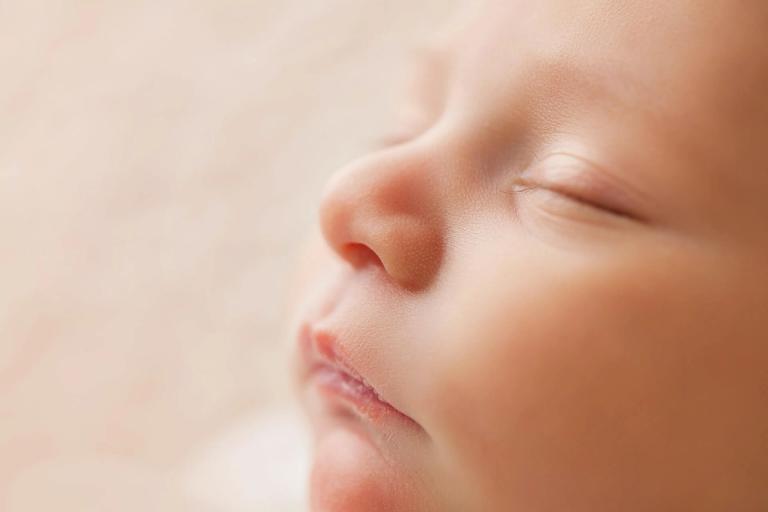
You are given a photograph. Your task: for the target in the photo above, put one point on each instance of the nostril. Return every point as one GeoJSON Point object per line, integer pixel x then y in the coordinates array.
{"type": "Point", "coordinates": [360, 255]}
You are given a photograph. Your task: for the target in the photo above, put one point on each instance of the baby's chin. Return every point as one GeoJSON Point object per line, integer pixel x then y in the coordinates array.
{"type": "Point", "coordinates": [349, 474]}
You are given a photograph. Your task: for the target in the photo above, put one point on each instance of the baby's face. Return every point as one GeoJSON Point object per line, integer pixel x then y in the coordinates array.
{"type": "Point", "coordinates": [554, 281]}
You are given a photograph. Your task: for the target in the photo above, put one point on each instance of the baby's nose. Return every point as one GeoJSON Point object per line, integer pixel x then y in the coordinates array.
{"type": "Point", "coordinates": [385, 210]}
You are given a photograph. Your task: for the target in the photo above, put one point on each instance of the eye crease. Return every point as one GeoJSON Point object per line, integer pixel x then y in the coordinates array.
{"type": "Point", "coordinates": [524, 185]}
{"type": "Point", "coordinates": [575, 179]}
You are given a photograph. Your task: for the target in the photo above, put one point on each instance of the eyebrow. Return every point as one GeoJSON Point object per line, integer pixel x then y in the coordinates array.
{"type": "Point", "coordinates": [630, 96]}
{"type": "Point", "coordinates": [618, 88]}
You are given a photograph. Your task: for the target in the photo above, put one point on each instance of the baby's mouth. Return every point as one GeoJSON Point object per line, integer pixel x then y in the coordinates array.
{"type": "Point", "coordinates": [324, 367]}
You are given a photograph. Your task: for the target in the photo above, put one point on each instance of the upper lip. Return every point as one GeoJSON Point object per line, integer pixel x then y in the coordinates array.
{"type": "Point", "coordinates": [321, 349]}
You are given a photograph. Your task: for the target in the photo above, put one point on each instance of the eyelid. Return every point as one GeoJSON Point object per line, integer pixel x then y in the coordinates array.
{"type": "Point", "coordinates": [582, 181]}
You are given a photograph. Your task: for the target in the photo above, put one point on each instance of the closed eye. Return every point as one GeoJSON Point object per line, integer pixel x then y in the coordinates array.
{"type": "Point", "coordinates": [566, 184]}
{"type": "Point", "coordinates": [573, 198]}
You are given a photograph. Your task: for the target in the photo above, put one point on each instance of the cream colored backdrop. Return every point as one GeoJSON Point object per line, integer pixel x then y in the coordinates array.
{"type": "Point", "coordinates": [159, 164]}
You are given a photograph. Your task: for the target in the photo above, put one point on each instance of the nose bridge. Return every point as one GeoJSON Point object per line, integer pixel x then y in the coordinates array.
{"type": "Point", "coordinates": [386, 209]}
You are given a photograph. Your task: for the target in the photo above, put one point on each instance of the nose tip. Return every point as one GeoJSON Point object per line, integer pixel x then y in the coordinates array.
{"type": "Point", "coordinates": [384, 215]}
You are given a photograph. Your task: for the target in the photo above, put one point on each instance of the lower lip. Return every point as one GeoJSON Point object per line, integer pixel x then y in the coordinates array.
{"type": "Point", "coordinates": [339, 385]}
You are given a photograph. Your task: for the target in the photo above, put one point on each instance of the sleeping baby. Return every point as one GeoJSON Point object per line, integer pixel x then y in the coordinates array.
{"type": "Point", "coordinates": [547, 289]}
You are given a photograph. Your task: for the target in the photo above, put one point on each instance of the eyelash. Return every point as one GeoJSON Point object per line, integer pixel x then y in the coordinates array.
{"type": "Point", "coordinates": [523, 185]}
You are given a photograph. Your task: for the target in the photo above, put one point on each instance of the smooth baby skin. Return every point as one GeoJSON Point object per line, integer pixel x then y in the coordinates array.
{"type": "Point", "coordinates": [557, 269]}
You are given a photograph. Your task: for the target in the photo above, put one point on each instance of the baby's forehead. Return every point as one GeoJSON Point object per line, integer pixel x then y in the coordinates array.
{"type": "Point", "coordinates": [696, 67]}
{"type": "Point", "coordinates": [683, 44]}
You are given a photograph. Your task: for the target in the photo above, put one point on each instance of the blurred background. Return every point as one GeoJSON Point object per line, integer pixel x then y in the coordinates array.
{"type": "Point", "coordinates": [160, 164]}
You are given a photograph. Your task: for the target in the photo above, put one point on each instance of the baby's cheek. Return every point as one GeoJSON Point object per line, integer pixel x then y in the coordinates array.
{"type": "Point", "coordinates": [512, 392]}
{"type": "Point", "coordinates": [566, 387]}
